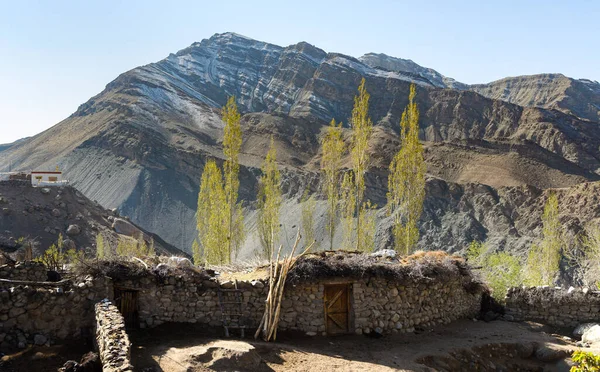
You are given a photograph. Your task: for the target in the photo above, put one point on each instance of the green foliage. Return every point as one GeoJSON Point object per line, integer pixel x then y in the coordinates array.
{"type": "Point", "coordinates": [197, 253]}
{"type": "Point", "coordinates": [52, 258]}
{"type": "Point", "coordinates": [543, 261]}
{"type": "Point", "coordinates": [586, 362]}
{"type": "Point", "coordinates": [362, 128]}
{"type": "Point", "coordinates": [406, 182]}
{"type": "Point", "coordinates": [130, 247]}
{"type": "Point", "coordinates": [100, 247]}
{"type": "Point", "coordinates": [500, 270]}
{"type": "Point", "coordinates": [60, 243]}
{"type": "Point", "coordinates": [588, 261]}
{"type": "Point", "coordinates": [331, 163]}
{"type": "Point", "coordinates": [232, 143]}
{"type": "Point", "coordinates": [309, 204]}
{"type": "Point", "coordinates": [269, 203]}
{"type": "Point", "coordinates": [212, 216]}
{"type": "Point", "coordinates": [348, 204]}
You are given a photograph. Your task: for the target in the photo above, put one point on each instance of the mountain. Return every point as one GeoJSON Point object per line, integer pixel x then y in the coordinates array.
{"type": "Point", "coordinates": [578, 97]}
{"type": "Point", "coordinates": [140, 144]}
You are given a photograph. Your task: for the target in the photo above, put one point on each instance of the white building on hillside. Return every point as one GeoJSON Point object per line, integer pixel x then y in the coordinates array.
{"type": "Point", "coordinates": [47, 178]}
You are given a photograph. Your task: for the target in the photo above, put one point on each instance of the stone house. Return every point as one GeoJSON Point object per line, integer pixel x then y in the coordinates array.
{"type": "Point", "coordinates": [326, 293]}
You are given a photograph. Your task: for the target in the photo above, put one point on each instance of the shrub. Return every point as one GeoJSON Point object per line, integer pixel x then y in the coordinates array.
{"type": "Point", "coordinates": [500, 270]}
{"type": "Point", "coordinates": [585, 362]}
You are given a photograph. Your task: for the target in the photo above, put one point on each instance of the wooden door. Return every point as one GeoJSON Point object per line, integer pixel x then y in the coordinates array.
{"type": "Point", "coordinates": [337, 308]}
{"type": "Point", "coordinates": [127, 303]}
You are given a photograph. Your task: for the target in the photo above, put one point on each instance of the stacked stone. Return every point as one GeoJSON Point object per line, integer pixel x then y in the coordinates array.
{"type": "Point", "coordinates": [27, 271]}
{"type": "Point", "coordinates": [30, 315]}
{"type": "Point", "coordinates": [112, 340]}
{"type": "Point", "coordinates": [554, 305]}
{"type": "Point", "coordinates": [302, 308]}
{"type": "Point", "coordinates": [189, 299]}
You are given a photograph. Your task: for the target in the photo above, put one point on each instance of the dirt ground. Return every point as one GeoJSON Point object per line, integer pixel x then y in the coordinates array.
{"type": "Point", "coordinates": [43, 358]}
{"type": "Point", "coordinates": [172, 349]}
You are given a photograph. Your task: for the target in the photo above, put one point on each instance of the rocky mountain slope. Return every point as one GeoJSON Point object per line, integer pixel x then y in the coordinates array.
{"type": "Point", "coordinates": [140, 144]}
{"type": "Point", "coordinates": [41, 214]}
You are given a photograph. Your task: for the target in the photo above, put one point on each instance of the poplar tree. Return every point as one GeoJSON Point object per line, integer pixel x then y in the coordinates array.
{"type": "Point", "coordinates": [212, 216]}
{"type": "Point", "coordinates": [100, 248]}
{"type": "Point", "coordinates": [543, 261]}
{"type": "Point", "coordinates": [196, 253]}
{"type": "Point", "coordinates": [232, 142]}
{"type": "Point", "coordinates": [309, 205]}
{"type": "Point", "coordinates": [362, 128]}
{"type": "Point", "coordinates": [269, 202]}
{"type": "Point", "coordinates": [331, 163]}
{"type": "Point", "coordinates": [406, 182]}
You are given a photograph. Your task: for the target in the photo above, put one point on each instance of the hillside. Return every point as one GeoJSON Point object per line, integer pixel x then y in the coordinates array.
{"type": "Point", "coordinates": [140, 145]}
{"type": "Point", "coordinates": [41, 214]}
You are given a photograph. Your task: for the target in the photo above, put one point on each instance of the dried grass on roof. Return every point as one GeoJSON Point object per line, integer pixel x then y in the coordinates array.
{"type": "Point", "coordinates": [421, 266]}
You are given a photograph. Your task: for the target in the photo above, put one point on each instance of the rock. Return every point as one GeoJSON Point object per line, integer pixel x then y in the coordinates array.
{"type": "Point", "coordinates": [90, 362]}
{"type": "Point", "coordinates": [69, 366]}
{"type": "Point", "coordinates": [73, 230]}
{"type": "Point", "coordinates": [490, 316]}
{"type": "Point", "coordinates": [311, 333]}
{"type": "Point", "coordinates": [548, 354]}
{"type": "Point", "coordinates": [387, 253]}
{"type": "Point", "coordinates": [229, 356]}
{"type": "Point", "coordinates": [125, 227]}
{"type": "Point", "coordinates": [582, 328]}
{"type": "Point", "coordinates": [257, 284]}
{"type": "Point", "coordinates": [69, 244]}
{"type": "Point", "coordinates": [56, 212]}
{"type": "Point", "coordinates": [39, 339]}
{"type": "Point", "coordinates": [5, 211]}
{"type": "Point", "coordinates": [115, 211]}
{"type": "Point", "coordinates": [45, 190]}
{"type": "Point", "coordinates": [592, 335]}
{"type": "Point", "coordinates": [508, 318]}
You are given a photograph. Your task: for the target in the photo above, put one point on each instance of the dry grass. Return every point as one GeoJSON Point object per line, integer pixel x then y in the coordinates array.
{"type": "Point", "coordinates": [421, 266]}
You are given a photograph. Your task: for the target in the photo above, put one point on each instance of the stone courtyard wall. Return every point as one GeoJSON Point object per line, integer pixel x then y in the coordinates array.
{"type": "Point", "coordinates": [38, 315]}
{"type": "Point", "coordinates": [113, 343]}
{"type": "Point", "coordinates": [555, 306]}
{"type": "Point", "coordinates": [27, 271]}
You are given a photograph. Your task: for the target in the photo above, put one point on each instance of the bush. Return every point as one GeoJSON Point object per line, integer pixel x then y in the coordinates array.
{"type": "Point", "coordinates": [585, 362]}
{"type": "Point", "coordinates": [500, 270]}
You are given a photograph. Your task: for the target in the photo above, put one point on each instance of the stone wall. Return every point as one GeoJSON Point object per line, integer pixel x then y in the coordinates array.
{"type": "Point", "coordinates": [190, 299]}
{"type": "Point", "coordinates": [112, 340]}
{"type": "Point", "coordinates": [39, 315]}
{"type": "Point", "coordinates": [555, 306]}
{"type": "Point", "coordinates": [377, 304]}
{"type": "Point", "coordinates": [381, 305]}
{"type": "Point", "coordinates": [28, 271]}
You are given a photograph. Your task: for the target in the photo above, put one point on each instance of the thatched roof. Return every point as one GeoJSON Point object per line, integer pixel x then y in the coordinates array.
{"type": "Point", "coordinates": [421, 266]}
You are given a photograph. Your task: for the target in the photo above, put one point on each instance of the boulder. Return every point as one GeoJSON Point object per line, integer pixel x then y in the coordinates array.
{"type": "Point", "coordinates": [73, 230]}
{"type": "Point", "coordinates": [581, 329]}
{"type": "Point", "coordinates": [125, 227]}
{"type": "Point", "coordinates": [69, 244]}
{"type": "Point", "coordinates": [592, 335]}
{"type": "Point", "coordinates": [549, 354]}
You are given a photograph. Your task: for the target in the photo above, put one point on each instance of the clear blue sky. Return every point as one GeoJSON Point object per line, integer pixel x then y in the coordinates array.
{"type": "Point", "coordinates": [54, 55]}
